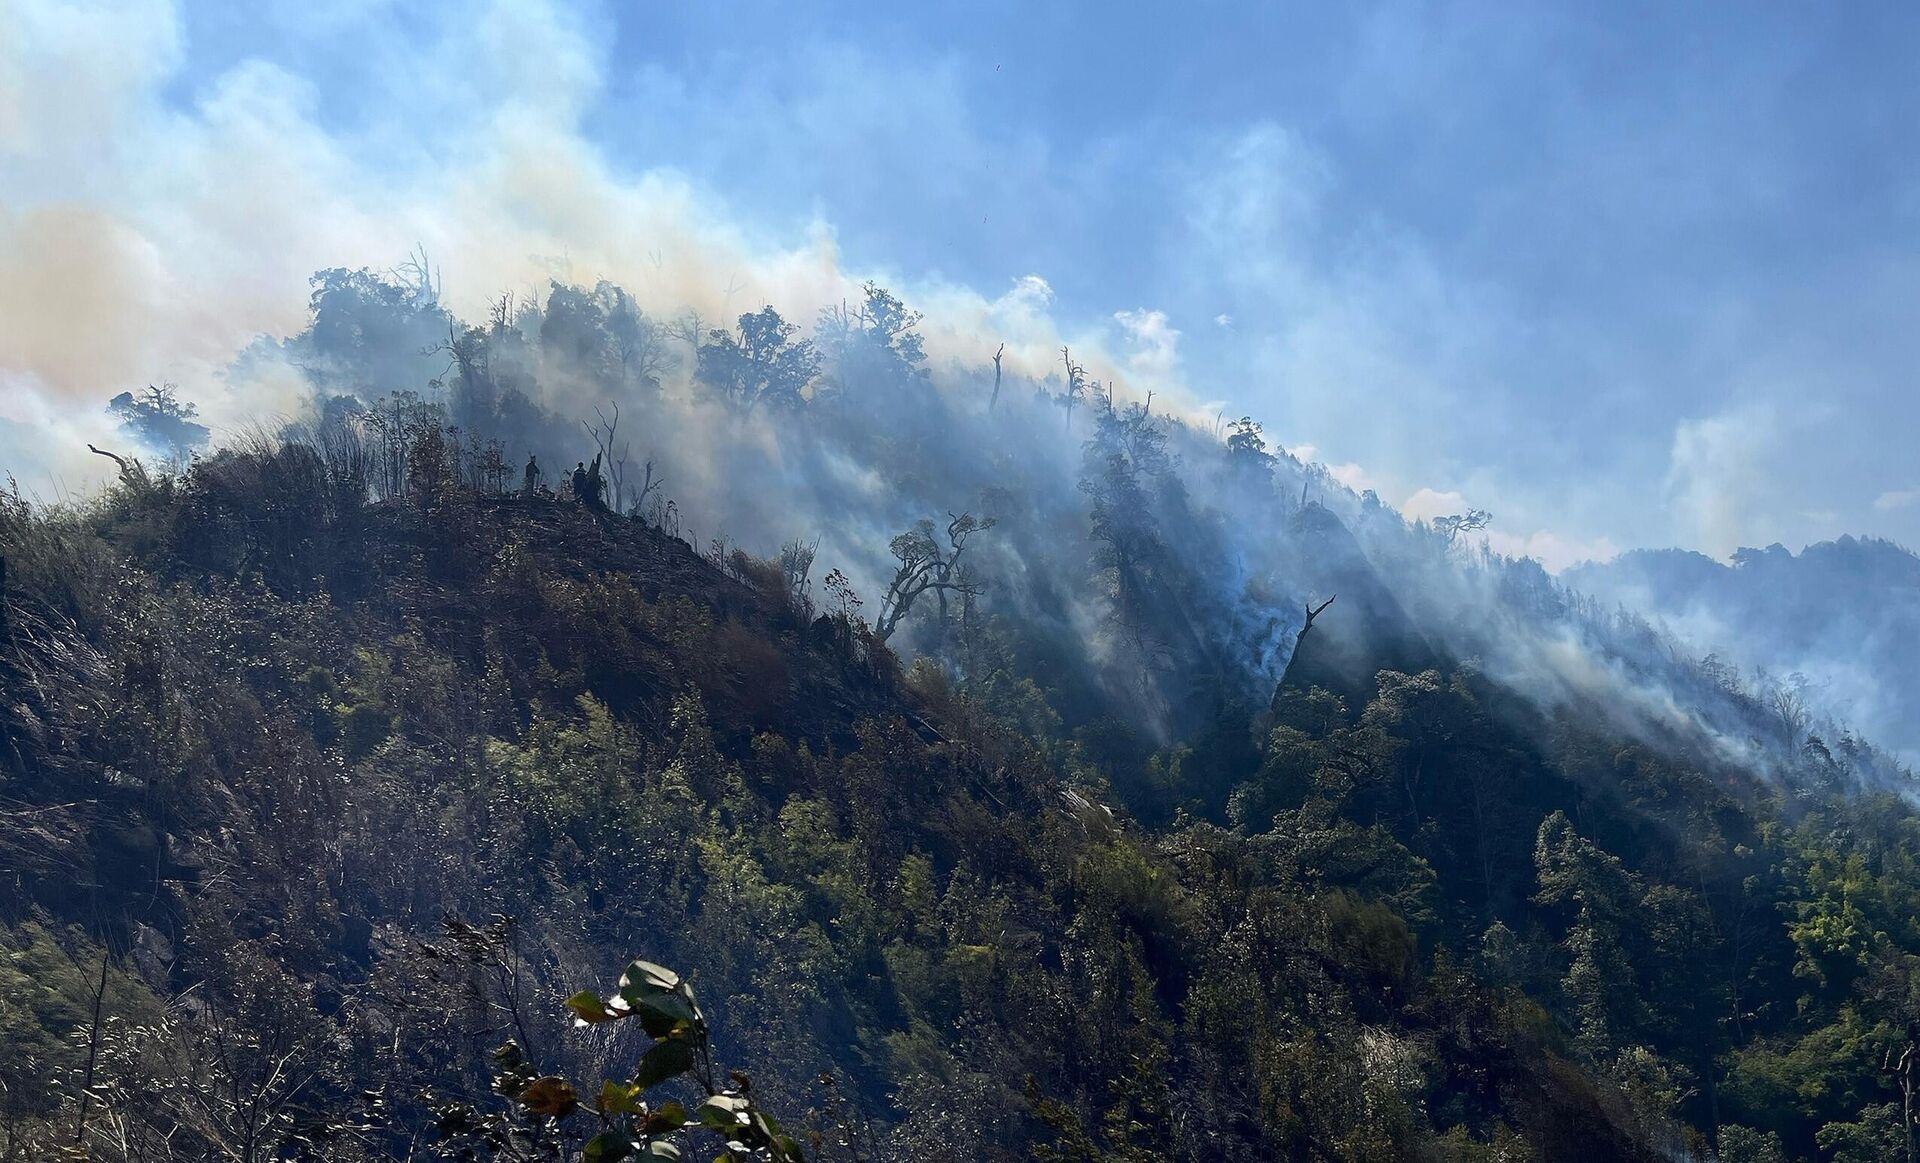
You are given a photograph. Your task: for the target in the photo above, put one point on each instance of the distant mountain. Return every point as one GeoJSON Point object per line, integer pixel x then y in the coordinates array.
{"type": "Point", "coordinates": [1844, 614]}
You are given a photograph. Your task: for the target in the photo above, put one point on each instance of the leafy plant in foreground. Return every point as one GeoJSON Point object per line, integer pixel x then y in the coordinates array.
{"type": "Point", "coordinates": [547, 1109]}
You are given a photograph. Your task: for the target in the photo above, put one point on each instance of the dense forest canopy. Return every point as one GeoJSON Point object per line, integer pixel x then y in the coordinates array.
{"type": "Point", "coordinates": [1011, 769]}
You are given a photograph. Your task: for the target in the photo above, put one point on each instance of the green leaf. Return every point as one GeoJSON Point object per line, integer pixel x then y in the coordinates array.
{"type": "Point", "coordinates": [618, 1098]}
{"type": "Point", "coordinates": [606, 1147]}
{"type": "Point", "coordinates": [763, 1123]}
{"type": "Point", "coordinates": [668, 1116]}
{"type": "Point", "coordinates": [589, 1010]}
{"type": "Point", "coordinates": [721, 1113]}
{"type": "Point", "coordinates": [661, 1149]}
{"type": "Point", "coordinates": [647, 977]}
{"type": "Point", "coordinates": [663, 1060]}
{"type": "Point", "coordinates": [664, 1014]}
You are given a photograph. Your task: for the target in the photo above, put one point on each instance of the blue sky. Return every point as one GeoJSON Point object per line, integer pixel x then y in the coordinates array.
{"type": "Point", "coordinates": [1625, 274]}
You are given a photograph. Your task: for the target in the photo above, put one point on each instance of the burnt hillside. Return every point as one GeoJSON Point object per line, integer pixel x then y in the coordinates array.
{"type": "Point", "coordinates": [320, 799]}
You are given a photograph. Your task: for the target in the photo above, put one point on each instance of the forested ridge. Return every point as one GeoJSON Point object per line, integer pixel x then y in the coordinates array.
{"type": "Point", "coordinates": [1840, 617]}
{"type": "Point", "coordinates": [1130, 791]}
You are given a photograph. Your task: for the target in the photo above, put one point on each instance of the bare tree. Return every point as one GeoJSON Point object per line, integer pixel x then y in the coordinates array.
{"type": "Point", "coordinates": [465, 348]}
{"type": "Point", "coordinates": [1906, 1074]}
{"type": "Point", "coordinates": [1312, 612]}
{"type": "Point", "coordinates": [125, 468]}
{"type": "Point", "coordinates": [927, 566]}
{"type": "Point", "coordinates": [605, 433]}
{"type": "Point", "coordinates": [1787, 699]}
{"type": "Point", "coordinates": [995, 398]}
{"type": "Point", "coordinates": [419, 272]}
{"type": "Point", "coordinates": [501, 312]}
{"type": "Point", "coordinates": [93, 1046]}
{"type": "Point", "coordinates": [689, 328]}
{"type": "Point", "coordinates": [639, 348]}
{"type": "Point", "coordinates": [734, 286]}
{"type": "Point", "coordinates": [1076, 384]}
{"type": "Point", "coordinates": [392, 429]}
{"type": "Point", "coordinates": [649, 486]}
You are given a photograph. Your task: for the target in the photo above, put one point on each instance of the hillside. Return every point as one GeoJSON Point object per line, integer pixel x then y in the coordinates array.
{"type": "Point", "coordinates": [332, 759]}
{"type": "Point", "coordinates": [1839, 619]}
{"type": "Point", "coordinates": [257, 754]}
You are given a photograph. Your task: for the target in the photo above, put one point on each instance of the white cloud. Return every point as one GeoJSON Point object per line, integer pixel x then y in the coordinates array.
{"type": "Point", "coordinates": [1554, 552]}
{"type": "Point", "coordinates": [1349, 474]}
{"type": "Point", "coordinates": [1893, 499]}
{"type": "Point", "coordinates": [1353, 476]}
{"type": "Point", "coordinates": [1426, 504]}
{"type": "Point", "coordinates": [1152, 345]}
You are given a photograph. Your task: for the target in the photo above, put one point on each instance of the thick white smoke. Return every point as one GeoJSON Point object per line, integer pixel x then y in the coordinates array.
{"type": "Point", "coordinates": [149, 235]}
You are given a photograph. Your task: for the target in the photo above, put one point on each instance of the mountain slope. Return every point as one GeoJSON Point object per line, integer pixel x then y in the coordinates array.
{"type": "Point", "coordinates": [1842, 615]}
{"type": "Point", "coordinates": [248, 790]}
{"type": "Point", "coordinates": [1086, 861]}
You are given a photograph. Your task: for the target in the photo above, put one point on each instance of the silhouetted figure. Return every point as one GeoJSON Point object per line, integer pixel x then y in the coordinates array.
{"type": "Point", "coordinates": [580, 482]}
{"type": "Point", "coordinates": [532, 482]}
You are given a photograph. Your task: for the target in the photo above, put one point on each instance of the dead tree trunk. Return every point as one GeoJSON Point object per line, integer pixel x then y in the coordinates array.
{"type": "Point", "coordinates": [615, 457]}
{"type": "Point", "coordinates": [125, 468]}
{"type": "Point", "coordinates": [1312, 613]}
{"type": "Point", "coordinates": [93, 1036]}
{"type": "Point", "coordinates": [1075, 383]}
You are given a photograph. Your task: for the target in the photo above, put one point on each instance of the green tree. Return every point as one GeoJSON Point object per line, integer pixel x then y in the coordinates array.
{"type": "Point", "coordinates": [159, 419]}
{"type": "Point", "coordinates": [1599, 983]}
{"type": "Point", "coordinates": [763, 365]}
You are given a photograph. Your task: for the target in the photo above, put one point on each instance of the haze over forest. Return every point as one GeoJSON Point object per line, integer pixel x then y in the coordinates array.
{"type": "Point", "coordinates": [1115, 589]}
